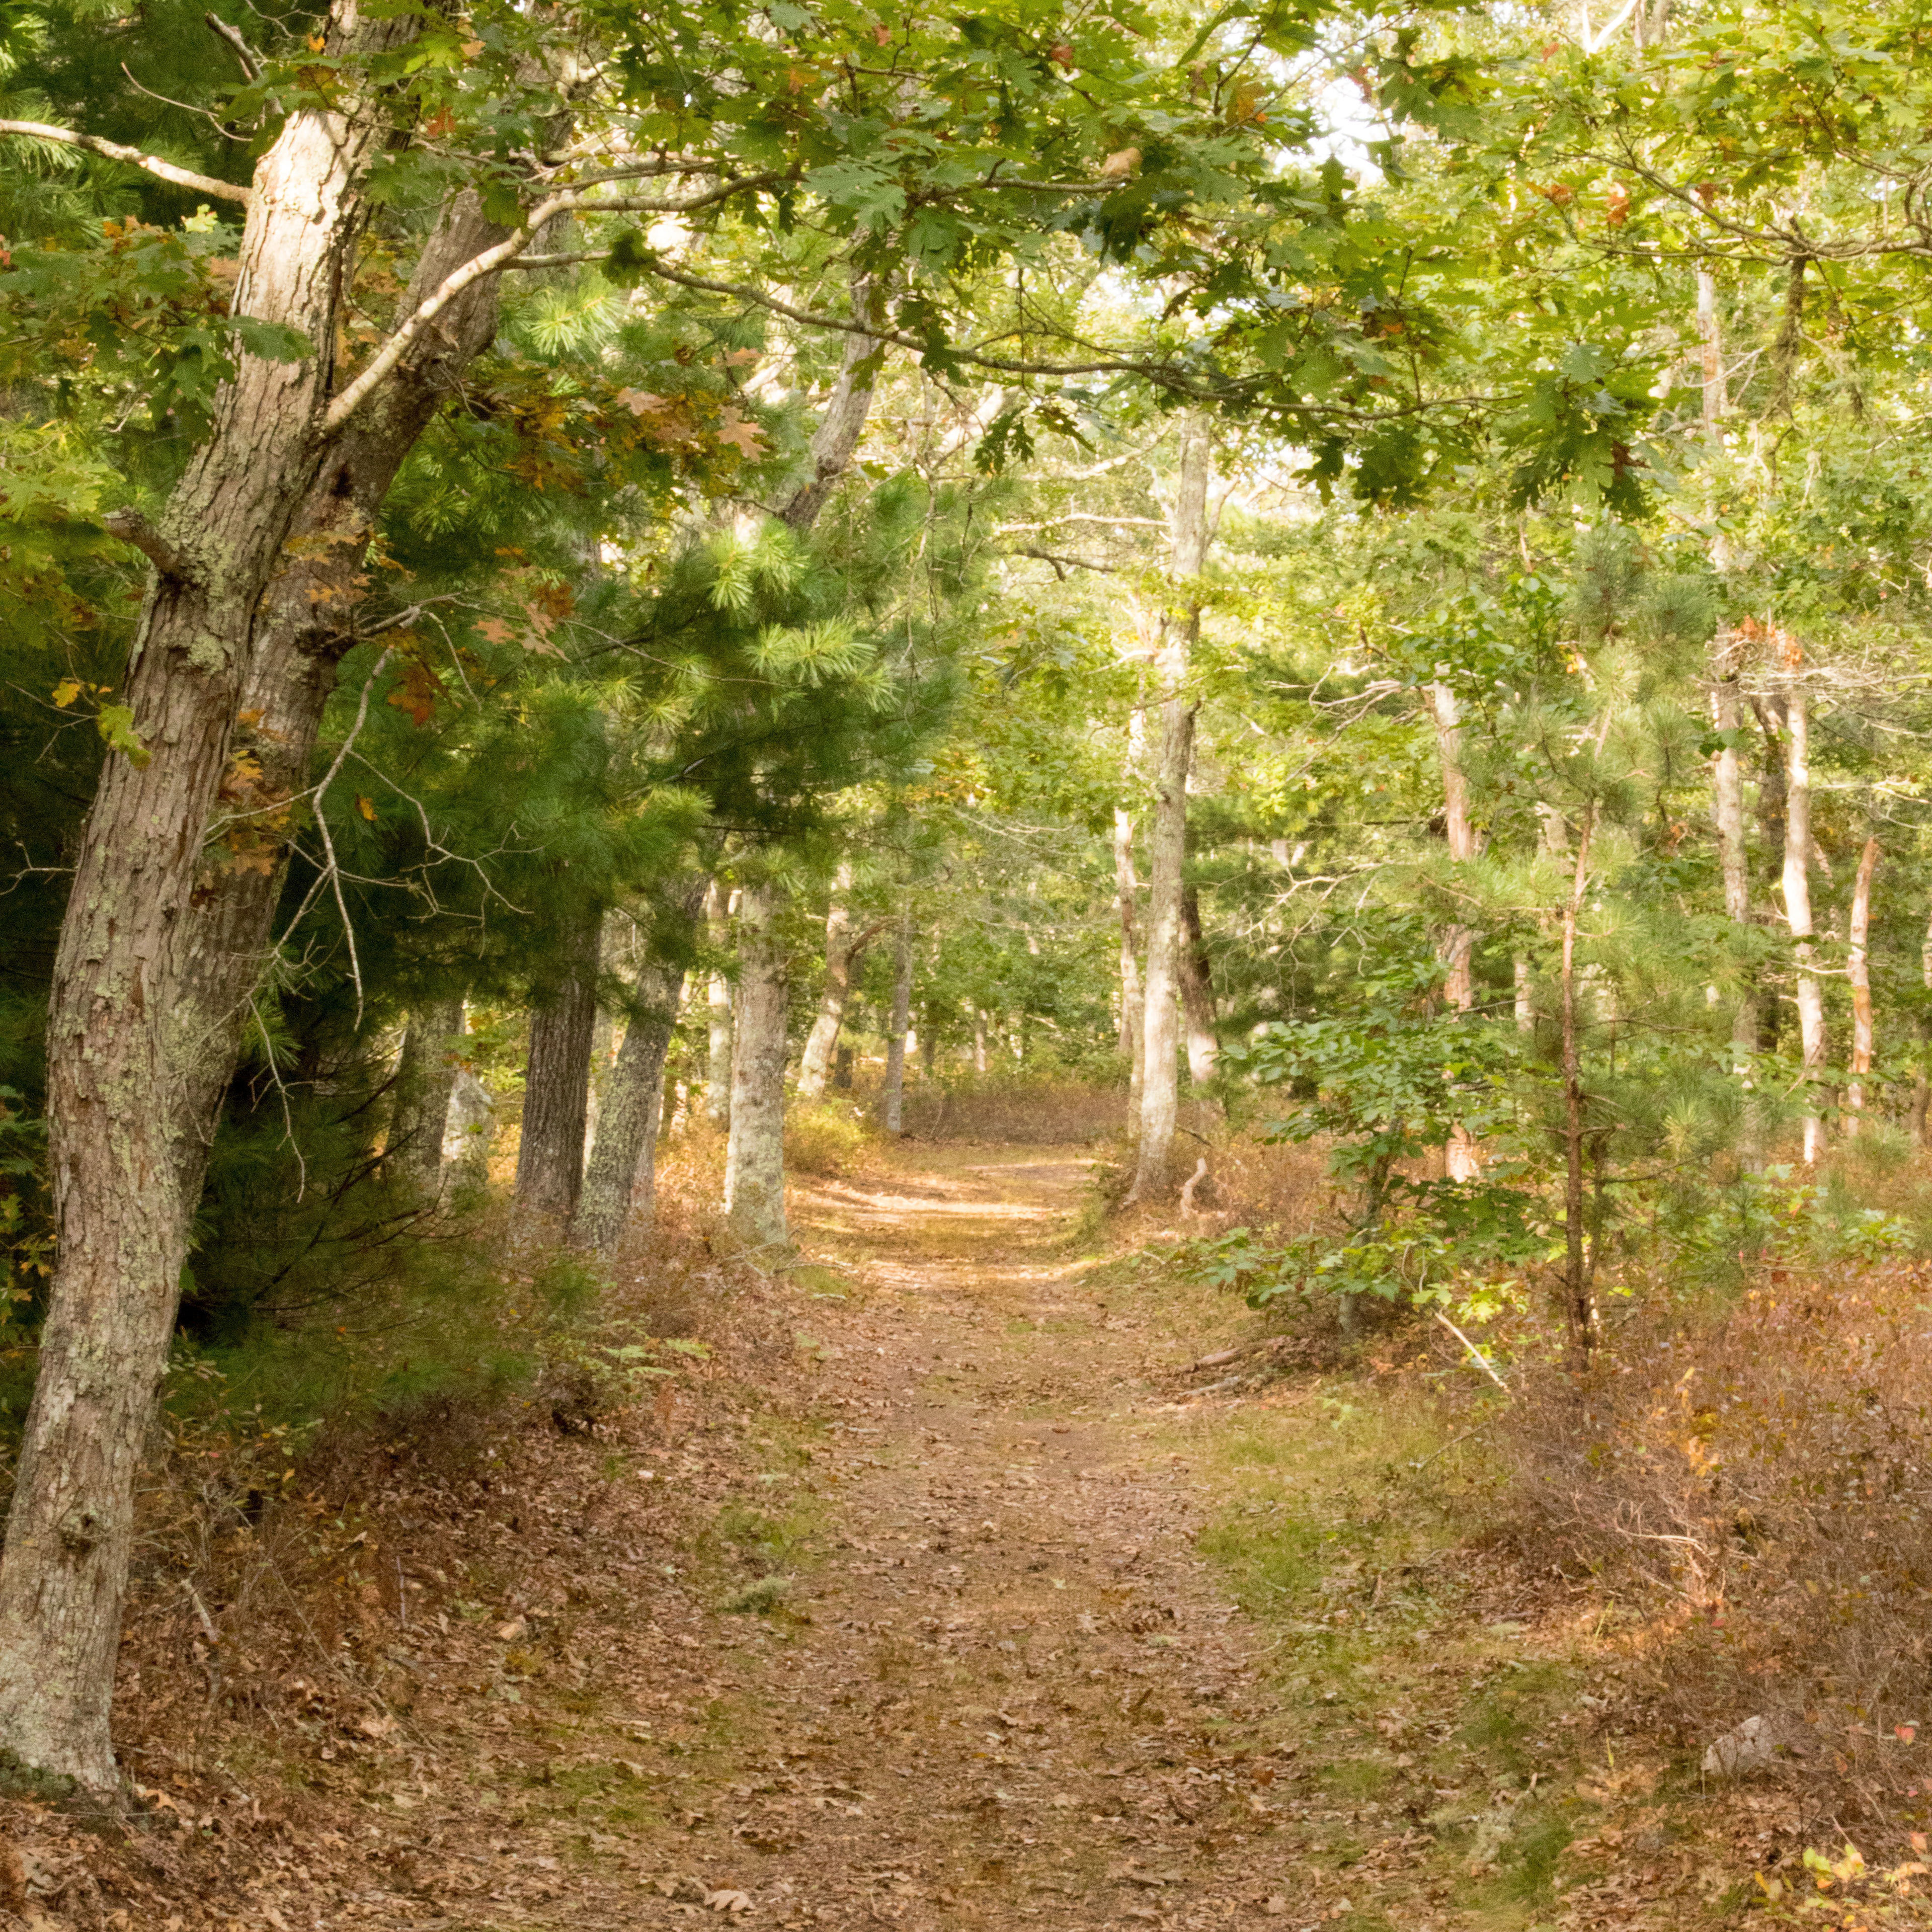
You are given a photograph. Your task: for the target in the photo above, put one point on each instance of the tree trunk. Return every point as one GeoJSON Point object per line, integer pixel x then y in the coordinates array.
{"type": "Point", "coordinates": [980, 1039]}
{"type": "Point", "coordinates": [1715, 403]}
{"type": "Point", "coordinates": [125, 1184]}
{"type": "Point", "coordinates": [1579, 1302]}
{"type": "Point", "coordinates": [1922, 1082]}
{"type": "Point", "coordinates": [420, 1115]}
{"type": "Point", "coordinates": [718, 1002]}
{"type": "Point", "coordinates": [892, 1097]}
{"type": "Point", "coordinates": [755, 1203]}
{"type": "Point", "coordinates": [1180, 624]}
{"type": "Point", "coordinates": [556, 1088]}
{"type": "Point", "coordinates": [1727, 796]}
{"type": "Point", "coordinates": [1526, 1007]}
{"type": "Point", "coordinates": [1197, 993]}
{"type": "Point", "coordinates": [1858, 971]}
{"type": "Point", "coordinates": [1462, 1159]}
{"type": "Point", "coordinates": [1126, 892]}
{"type": "Point", "coordinates": [620, 1181]}
{"type": "Point", "coordinates": [1798, 904]}
{"type": "Point", "coordinates": [843, 949]}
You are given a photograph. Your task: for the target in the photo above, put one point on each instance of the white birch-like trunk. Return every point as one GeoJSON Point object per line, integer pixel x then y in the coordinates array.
{"type": "Point", "coordinates": [425, 1074]}
{"type": "Point", "coordinates": [1160, 1078]}
{"type": "Point", "coordinates": [1858, 971]}
{"type": "Point", "coordinates": [1525, 1007]}
{"type": "Point", "coordinates": [1798, 907]}
{"type": "Point", "coordinates": [755, 1203]}
{"type": "Point", "coordinates": [892, 1097]}
{"type": "Point", "coordinates": [1715, 402]}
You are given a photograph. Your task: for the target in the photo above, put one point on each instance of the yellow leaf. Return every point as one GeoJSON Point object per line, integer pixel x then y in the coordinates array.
{"type": "Point", "coordinates": [363, 805]}
{"type": "Point", "coordinates": [66, 691]}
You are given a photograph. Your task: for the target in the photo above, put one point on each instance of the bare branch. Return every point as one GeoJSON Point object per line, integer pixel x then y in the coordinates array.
{"type": "Point", "coordinates": [131, 526]}
{"type": "Point", "coordinates": [114, 151]}
{"type": "Point", "coordinates": [251, 67]}
{"type": "Point", "coordinates": [494, 261]}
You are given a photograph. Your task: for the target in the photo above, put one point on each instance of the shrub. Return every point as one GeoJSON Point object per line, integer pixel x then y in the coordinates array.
{"type": "Point", "coordinates": [829, 1137]}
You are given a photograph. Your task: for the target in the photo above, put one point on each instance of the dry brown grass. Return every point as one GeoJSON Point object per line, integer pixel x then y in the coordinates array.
{"type": "Point", "coordinates": [1034, 1113]}
{"type": "Point", "coordinates": [1753, 1490]}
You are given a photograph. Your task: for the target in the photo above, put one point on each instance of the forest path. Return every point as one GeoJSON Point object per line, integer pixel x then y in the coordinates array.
{"type": "Point", "coordinates": [1004, 1686]}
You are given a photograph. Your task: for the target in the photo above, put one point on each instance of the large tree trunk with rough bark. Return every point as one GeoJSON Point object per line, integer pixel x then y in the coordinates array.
{"type": "Point", "coordinates": [1160, 1077]}
{"type": "Point", "coordinates": [844, 948]}
{"type": "Point", "coordinates": [125, 1184]}
{"type": "Point", "coordinates": [620, 1181]}
{"type": "Point", "coordinates": [556, 1086]}
{"type": "Point", "coordinates": [419, 1116]}
{"type": "Point", "coordinates": [1798, 904]}
{"type": "Point", "coordinates": [893, 1095]}
{"type": "Point", "coordinates": [1197, 992]}
{"type": "Point", "coordinates": [1858, 971]}
{"type": "Point", "coordinates": [755, 1203]}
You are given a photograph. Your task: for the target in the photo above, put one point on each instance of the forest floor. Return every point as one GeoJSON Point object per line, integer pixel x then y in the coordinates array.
{"type": "Point", "coordinates": [975, 1615]}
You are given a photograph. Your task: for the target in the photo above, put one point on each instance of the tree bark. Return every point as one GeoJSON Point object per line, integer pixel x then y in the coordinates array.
{"type": "Point", "coordinates": [556, 1087]}
{"type": "Point", "coordinates": [755, 1203]}
{"type": "Point", "coordinates": [1922, 1082]}
{"type": "Point", "coordinates": [620, 1181]}
{"type": "Point", "coordinates": [1525, 1007]}
{"type": "Point", "coordinates": [1727, 798]}
{"type": "Point", "coordinates": [1858, 971]}
{"type": "Point", "coordinates": [1180, 624]}
{"type": "Point", "coordinates": [1462, 1159]}
{"type": "Point", "coordinates": [1126, 893]}
{"type": "Point", "coordinates": [1798, 902]}
{"type": "Point", "coordinates": [424, 1075]}
{"type": "Point", "coordinates": [1580, 1303]}
{"type": "Point", "coordinates": [1716, 403]}
{"type": "Point", "coordinates": [718, 1002]}
{"type": "Point", "coordinates": [980, 1039]}
{"type": "Point", "coordinates": [892, 1096]}
{"type": "Point", "coordinates": [844, 948]}
{"type": "Point", "coordinates": [124, 1186]}
{"type": "Point", "coordinates": [1197, 993]}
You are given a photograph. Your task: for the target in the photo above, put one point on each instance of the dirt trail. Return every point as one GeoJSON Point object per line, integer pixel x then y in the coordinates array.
{"type": "Point", "coordinates": [1018, 1695]}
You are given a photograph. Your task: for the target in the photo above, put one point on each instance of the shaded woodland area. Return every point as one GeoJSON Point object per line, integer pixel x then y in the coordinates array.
{"type": "Point", "coordinates": [620, 624]}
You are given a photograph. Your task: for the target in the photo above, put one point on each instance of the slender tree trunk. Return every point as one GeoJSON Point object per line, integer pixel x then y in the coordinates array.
{"type": "Point", "coordinates": [424, 1075]}
{"type": "Point", "coordinates": [928, 1047]}
{"type": "Point", "coordinates": [1126, 892]}
{"type": "Point", "coordinates": [718, 1002]}
{"type": "Point", "coordinates": [844, 948]}
{"type": "Point", "coordinates": [1922, 1082]}
{"type": "Point", "coordinates": [1525, 1007]}
{"type": "Point", "coordinates": [1858, 971]}
{"type": "Point", "coordinates": [1461, 1158]}
{"type": "Point", "coordinates": [754, 1202]}
{"type": "Point", "coordinates": [125, 1186]}
{"type": "Point", "coordinates": [620, 1182]}
{"type": "Point", "coordinates": [1197, 993]}
{"type": "Point", "coordinates": [1160, 1077]}
{"type": "Point", "coordinates": [556, 1087]}
{"type": "Point", "coordinates": [1727, 795]}
{"type": "Point", "coordinates": [1798, 904]}
{"type": "Point", "coordinates": [980, 1039]}
{"type": "Point", "coordinates": [1579, 1302]}
{"type": "Point", "coordinates": [1716, 404]}
{"type": "Point", "coordinates": [892, 1099]}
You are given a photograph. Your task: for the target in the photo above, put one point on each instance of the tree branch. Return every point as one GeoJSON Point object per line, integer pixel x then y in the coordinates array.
{"type": "Point", "coordinates": [113, 151]}
{"type": "Point", "coordinates": [251, 67]}
{"type": "Point", "coordinates": [131, 526]}
{"type": "Point", "coordinates": [504, 255]}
